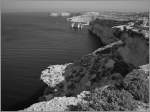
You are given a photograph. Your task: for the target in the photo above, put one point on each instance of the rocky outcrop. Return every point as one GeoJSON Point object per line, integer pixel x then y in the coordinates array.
{"type": "Point", "coordinates": [53, 75]}
{"type": "Point", "coordinates": [58, 103]}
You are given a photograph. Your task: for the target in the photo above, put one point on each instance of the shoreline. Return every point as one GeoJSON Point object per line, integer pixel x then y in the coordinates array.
{"type": "Point", "coordinates": [59, 72]}
{"type": "Point", "coordinates": [31, 52]}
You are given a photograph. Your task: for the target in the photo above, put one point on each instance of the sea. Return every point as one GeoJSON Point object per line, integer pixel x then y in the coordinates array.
{"type": "Point", "coordinates": [30, 42]}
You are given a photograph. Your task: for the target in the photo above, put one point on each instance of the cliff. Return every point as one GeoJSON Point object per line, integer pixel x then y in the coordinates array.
{"type": "Point", "coordinates": [111, 77]}
{"type": "Point", "coordinates": [103, 30]}
{"type": "Point", "coordinates": [107, 30]}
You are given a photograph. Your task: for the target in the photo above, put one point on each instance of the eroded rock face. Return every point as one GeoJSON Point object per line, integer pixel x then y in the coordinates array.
{"type": "Point", "coordinates": [53, 75]}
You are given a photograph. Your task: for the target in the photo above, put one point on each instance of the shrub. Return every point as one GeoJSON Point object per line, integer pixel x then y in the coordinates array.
{"type": "Point", "coordinates": [112, 99]}
{"type": "Point", "coordinates": [137, 84]}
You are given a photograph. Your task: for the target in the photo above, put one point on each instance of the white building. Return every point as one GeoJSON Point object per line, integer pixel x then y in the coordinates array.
{"type": "Point", "coordinates": [65, 14]}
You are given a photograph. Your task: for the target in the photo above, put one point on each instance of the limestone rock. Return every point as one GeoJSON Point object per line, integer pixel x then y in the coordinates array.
{"type": "Point", "coordinates": [53, 75]}
{"type": "Point", "coordinates": [58, 103]}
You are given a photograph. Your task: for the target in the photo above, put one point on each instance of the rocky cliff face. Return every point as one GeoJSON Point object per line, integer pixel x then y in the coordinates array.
{"type": "Point", "coordinates": [111, 75]}
{"type": "Point", "coordinates": [135, 43]}
{"type": "Point", "coordinates": [103, 30]}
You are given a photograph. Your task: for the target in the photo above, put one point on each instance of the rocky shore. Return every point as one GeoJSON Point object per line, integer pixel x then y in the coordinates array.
{"type": "Point", "coordinates": [110, 78]}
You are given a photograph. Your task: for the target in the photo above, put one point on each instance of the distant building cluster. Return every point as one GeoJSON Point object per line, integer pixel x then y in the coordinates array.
{"type": "Point", "coordinates": [82, 20]}
{"type": "Point", "coordinates": [141, 25]}
{"type": "Point", "coordinates": [63, 14]}
{"type": "Point", "coordinates": [138, 23]}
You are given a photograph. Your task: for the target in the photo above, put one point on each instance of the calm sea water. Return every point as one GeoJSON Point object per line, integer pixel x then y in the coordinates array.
{"type": "Point", "coordinates": [31, 42]}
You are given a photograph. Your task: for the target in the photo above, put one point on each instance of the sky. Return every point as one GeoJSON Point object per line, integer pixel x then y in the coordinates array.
{"type": "Point", "coordinates": [74, 5]}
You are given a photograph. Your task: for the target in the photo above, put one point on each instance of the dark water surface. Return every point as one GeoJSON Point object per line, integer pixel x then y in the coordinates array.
{"type": "Point", "coordinates": [31, 42]}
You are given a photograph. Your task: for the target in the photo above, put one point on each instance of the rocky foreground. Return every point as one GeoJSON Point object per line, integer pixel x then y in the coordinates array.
{"type": "Point", "coordinates": [111, 78]}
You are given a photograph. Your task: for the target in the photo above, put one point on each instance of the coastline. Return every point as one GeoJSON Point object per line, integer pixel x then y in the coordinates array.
{"type": "Point", "coordinates": [58, 86]}
{"type": "Point", "coordinates": [30, 45]}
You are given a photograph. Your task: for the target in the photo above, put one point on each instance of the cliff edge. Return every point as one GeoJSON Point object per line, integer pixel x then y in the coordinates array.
{"type": "Point", "coordinates": [110, 78]}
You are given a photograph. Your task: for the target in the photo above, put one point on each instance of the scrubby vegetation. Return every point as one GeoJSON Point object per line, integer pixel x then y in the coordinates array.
{"type": "Point", "coordinates": [137, 83]}
{"type": "Point", "coordinates": [135, 50]}
{"type": "Point", "coordinates": [118, 97]}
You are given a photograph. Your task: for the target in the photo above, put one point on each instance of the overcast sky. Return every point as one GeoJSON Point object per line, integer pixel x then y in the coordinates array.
{"type": "Point", "coordinates": [74, 5]}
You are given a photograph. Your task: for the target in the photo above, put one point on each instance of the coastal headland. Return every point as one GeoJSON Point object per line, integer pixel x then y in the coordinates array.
{"type": "Point", "coordinates": [114, 77]}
